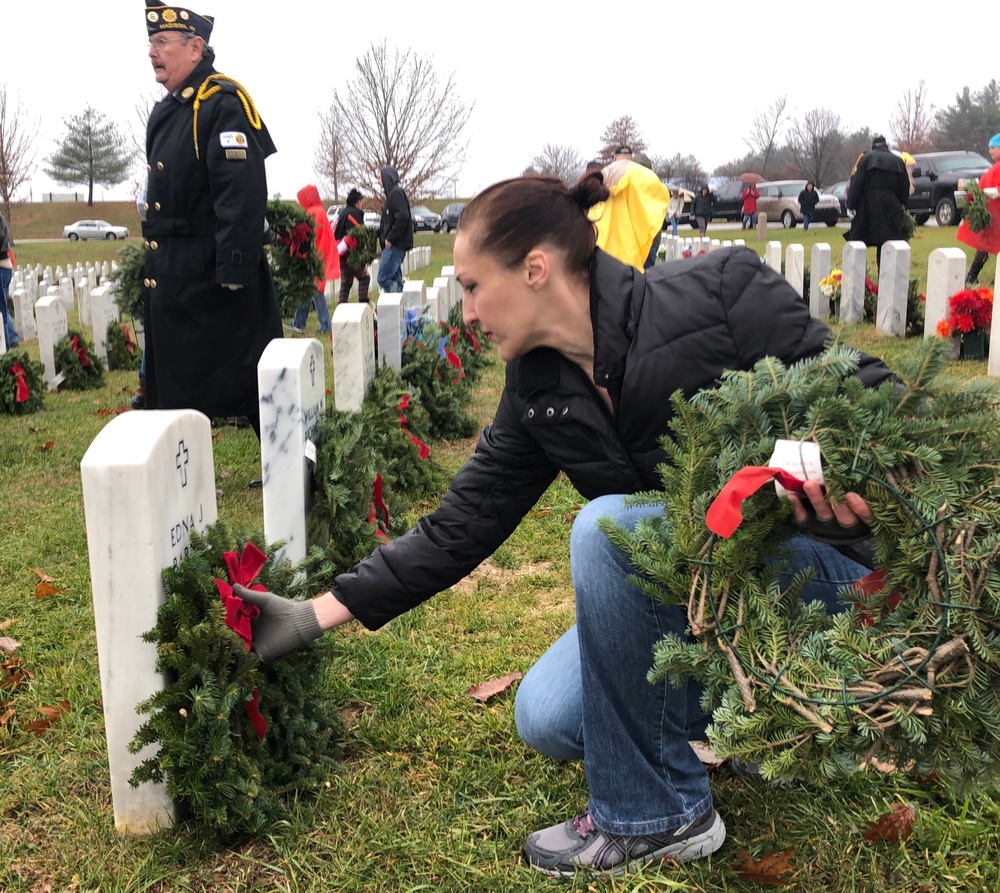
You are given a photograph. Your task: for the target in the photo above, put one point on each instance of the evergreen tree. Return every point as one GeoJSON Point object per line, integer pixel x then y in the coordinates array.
{"type": "Point", "coordinates": [93, 151]}
{"type": "Point", "coordinates": [971, 121]}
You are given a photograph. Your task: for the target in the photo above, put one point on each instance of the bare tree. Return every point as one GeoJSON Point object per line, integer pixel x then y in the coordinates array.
{"type": "Point", "coordinates": [620, 132]}
{"type": "Point", "coordinates": [815, 142]}
{"type": "Point", "coordinates": [330, 153]}
{"type": "Point", "coordinates": [765, 131]}
{"type": "Point", "coordinates": [680, 170]}
{"type": "Point", "coordinates": [17, 153]}
{"type": "Point", "coordinates": [397, 111]}
{"type": "Point", "coordinates": [912, 121]}
{"type": "Point", "coordinates": [559, 161]}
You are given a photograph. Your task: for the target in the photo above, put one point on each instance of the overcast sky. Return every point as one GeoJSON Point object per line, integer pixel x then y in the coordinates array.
{"type": "Point", "coordinates": [537, 71]}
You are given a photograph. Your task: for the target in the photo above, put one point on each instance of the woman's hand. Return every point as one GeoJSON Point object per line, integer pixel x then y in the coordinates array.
{"type": "Point", "coordinates": [829, 522]}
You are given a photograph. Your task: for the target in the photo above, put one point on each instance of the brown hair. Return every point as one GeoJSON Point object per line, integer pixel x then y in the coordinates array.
{"type": "Point", "coordinates": [512, 217]}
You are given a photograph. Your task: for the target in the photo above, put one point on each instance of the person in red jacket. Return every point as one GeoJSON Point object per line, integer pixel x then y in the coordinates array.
{"type": "Point", "coordinates": [986, 241]}
{"type": "Point", "coordinates": [750, 195]}
{"type": "Point", "coordinates": [326, 245]}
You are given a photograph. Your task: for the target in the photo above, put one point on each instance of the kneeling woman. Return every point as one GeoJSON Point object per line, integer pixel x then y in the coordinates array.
{"type": "Point", "coordinates": [594, 349]}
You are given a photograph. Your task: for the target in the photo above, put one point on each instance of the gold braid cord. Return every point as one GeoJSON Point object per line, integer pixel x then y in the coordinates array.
{"type": "Point", "coordinates": [207, 92]}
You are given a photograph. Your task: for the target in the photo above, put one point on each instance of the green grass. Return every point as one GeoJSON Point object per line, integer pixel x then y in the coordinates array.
{"type": "Point", "coordinates": [435, 792]}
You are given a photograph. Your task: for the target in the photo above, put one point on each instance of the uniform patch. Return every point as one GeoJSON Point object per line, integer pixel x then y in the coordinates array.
{"type": "Point", "coordinates": [236, 154]}
{"type": "Point", "coordinates": [169, 16]}
{"type": "Point", "coordinates": [229, 139]}
{"type": "Point", "coordinates": [152, 16]}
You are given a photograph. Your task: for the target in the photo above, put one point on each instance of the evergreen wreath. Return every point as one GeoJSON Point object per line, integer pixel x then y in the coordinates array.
{"type": "Point", "coordinates": [977, 208]}
{"type": "Point", "coordinates": [435, 374]}
{"type": "Point", "coordinates": [22, 385]}
{"type": "Point", "coordinates": [296, 265]}
{"type": "Point", "coordinates": [223, 774]}
{"type": "Point", "coordinates": [365, 248]}
{"type": "Point", "coordinates": [123, 350]}
{"type": "Point", "coordinates": [911, 673]}
{"type": "Point", "coordinates": [82, 370]}
{"type": "Point", "coordinates": [127, 276]}
{"type": "Point", "coordinates": [469, 343]}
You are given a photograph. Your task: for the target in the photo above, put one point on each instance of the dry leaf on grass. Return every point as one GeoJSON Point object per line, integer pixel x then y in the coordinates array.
{"type": "Point", "coordinates": [703, 751]}
{"type": "Point", "coordinates": [7, 624]}
{"type": "Point", "coordinates": [45, 447]}
{"type": "Point", "coordinates": [894, 826]}
{"type": "Point", "coordinates": [486, 690]}
{"type": "Point", "coordinates": [8, 644]}
{"type": "Point", "coordinates": [13, 675]}
{"type": "Point", "coordinates": [44, 589]}
{"type": "Point", "coordinates": [51, 714]}
{"type": "Point", "coordinates": [44, 577]}
{"type": "Point", "coordinates": [767, 870]}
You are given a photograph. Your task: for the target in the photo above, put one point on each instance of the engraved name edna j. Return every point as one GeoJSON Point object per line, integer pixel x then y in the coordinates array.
{"type": "Point", "coordinates": [180, 535]}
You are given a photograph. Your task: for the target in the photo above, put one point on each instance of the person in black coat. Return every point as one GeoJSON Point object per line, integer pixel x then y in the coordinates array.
{"type": "Point", "coordinates": [594, 349]}
{"type": "Point", "coordinates": [808, 199]}
{"type": "Point", "coordinates": [348, 219]}
{"type": "Point", "coordinates": [210, 304]}
{"type": "Point", "coordinates": [704, 202]}
{"type": "Point", "coordinates": [395, 232]}
{"type": "Point", "coordinates": [877, 194]}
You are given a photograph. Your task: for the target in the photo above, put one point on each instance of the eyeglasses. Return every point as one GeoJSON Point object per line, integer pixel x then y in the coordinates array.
{"type": "Point", "coordinates": [158, 43]}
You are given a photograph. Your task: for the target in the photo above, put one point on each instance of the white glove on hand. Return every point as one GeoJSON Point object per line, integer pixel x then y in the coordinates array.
{"type": "Point", "coordinates": [991, 192]}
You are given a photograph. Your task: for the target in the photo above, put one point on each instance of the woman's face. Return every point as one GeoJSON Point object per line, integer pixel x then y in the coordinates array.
{"type": "Point", "coordinates": [499, 300]}
{"type": "Point", "coordinates": [994, 152]}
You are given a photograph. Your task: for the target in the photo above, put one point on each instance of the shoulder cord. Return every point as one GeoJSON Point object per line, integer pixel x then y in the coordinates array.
{"type": "Point", "coordinates": [249, 109]}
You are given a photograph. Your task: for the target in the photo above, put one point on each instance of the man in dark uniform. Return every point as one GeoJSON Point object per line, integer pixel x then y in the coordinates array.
{"type": "Point", "coordinates": [210, 307]}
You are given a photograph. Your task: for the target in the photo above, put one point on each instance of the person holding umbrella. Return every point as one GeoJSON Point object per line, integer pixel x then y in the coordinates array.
{"type": "Point", "coordinates": [750, 195]}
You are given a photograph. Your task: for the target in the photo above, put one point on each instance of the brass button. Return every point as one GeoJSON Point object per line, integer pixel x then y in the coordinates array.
{"type": "Point", "coordinates": [145, 244]}
{"type": "Point", "coordinates": [157, 206]}
{"type": "Point", "coordinates": [159, 165]}
{"type": "Point", "coordinates": [145, 206]}
{"type": "Point", "coordinates": [152, 283]}
{"type": "Point", "coordinates": [146, 282]}
{"type": "Point", "coordinates": [153, 245]}
{"type": "Point", "coordinates": [149, 167]}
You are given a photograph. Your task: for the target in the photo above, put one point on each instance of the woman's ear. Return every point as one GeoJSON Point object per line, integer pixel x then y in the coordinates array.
{"type": "Point", "coordinates": [537, 265]}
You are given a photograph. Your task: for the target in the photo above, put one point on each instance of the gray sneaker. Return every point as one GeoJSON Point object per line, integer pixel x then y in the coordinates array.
{"type": "Point", "coordinates": [293, 328]}
{"type": "Point", "coordinates": [579, 845]}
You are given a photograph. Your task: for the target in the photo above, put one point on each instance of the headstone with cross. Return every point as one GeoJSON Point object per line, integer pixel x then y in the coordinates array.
{"type": "Point", "coordinates": [50, 316]}
{"type": "Point", "coordinates": [292, 386]}
{"type": "Point", "coordinates": [167, 457]}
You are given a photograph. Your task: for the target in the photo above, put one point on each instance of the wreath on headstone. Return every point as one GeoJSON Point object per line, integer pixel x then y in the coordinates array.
{"type": "Point", "coordinates": [909, 673]}
{"type": "Point", "coordinates": [75, 359]}
{"type": "Point", "coordinates": [296, 265]}
{"type": "Point", "coordinates": [235, 738]}
{"type": "Point", "coordinates": [123, 351]}
{"type": "Point", "coordinates": [22, 388]}
{"type": "Point", "coordinates": [127, 275]}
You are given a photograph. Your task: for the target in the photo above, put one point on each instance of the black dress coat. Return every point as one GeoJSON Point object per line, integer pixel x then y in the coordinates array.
{"type": "Point", "coordinates": [678, 327]}
{"type": "Point", "coordinates": [205, 201]}
{"type": "Point", "coordinates": [877, 194]}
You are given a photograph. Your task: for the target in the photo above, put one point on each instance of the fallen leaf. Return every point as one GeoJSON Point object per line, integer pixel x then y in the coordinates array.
{"type": "Point", "coordinates": [7, 624]}
{"type": "Point", "coordinates": [8, 644]}
{"type": "Point", "coordinates": [51, 714]}
{"type": "Point", "coordinates": [703, 751]}
{"type": "Point", "coordinates": [44, 577]}
{"type": "Point", "coordinates": [5, 716]}
{"type": "Point", "coordinates": [73, 400]}
{"type": "Point", "coordinates": [13, 675]}
{"type": "Point", "coordinates": [225, 474]}
{"type": "Point", "coordinates": [486, 690]}
{"type": "Point", "coordinates": [767, 870]}
{"type": "Point", "coordinates": [45, 447]}
{"type": "Point", "coordinates": [893, 826]}
{"type": "Point", "coordinates": [44, 589]}
{"type": "Point", "coordinates": [219, 494]}
{"type": "Point", "coordinates": [105, 411]}
{"type": "Point", "coordinates": [33, 430]}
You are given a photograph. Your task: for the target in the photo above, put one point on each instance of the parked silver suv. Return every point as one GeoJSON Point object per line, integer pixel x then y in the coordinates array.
{"type": "Point", "coordinates": [780, 200]}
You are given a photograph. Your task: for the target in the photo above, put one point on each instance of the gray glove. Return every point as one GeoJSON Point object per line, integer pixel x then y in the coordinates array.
{"type": "Point", "coordinates": [283, 626]}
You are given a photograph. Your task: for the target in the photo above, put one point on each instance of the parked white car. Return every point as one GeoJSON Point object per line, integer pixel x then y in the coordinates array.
{"type": "Point", "coordinates": [372, 219]}
{"type": "Point", "coordinates": [94, 229]}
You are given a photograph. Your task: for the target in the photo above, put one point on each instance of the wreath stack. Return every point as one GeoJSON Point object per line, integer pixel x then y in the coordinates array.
{"type": "Point", "coordinates": [909, 672]}
{"type": "Point", "coordinates": [295, 262]}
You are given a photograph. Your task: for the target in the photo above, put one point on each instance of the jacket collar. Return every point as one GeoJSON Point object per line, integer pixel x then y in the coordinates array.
{"type": "Point", "coordinates": [616, 291]}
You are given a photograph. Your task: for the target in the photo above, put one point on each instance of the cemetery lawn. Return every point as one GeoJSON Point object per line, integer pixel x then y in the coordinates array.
{"type": "Point", "coordinates": [434, 792]}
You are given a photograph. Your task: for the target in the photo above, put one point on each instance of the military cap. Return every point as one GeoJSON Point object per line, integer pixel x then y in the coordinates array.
{"type": "Point", "coordinates": [176, 18]}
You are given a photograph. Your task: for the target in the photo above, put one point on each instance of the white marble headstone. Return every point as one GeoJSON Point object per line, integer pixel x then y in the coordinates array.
{"type": "Point", "coordinates": [435, 301]}
{"type": "Point", "coordinates": [292, 387]}
{"type": "Point", "coordinates": [148, 481]}
{"type": "Point", "coordinates": [391, 329]}
{"type": "Point", "coordinates": [24, 314]}
{"type": "Point", "coordinates": [83, 291]}
{"type": "Point", "coordinates": [66, 290]}
{"type": "Point", "coordinates": [819, 269]}
{"type": "Point", "coordinates": [893, 288]}
{"type": "Point", "coordinates": [772, 256]}
{"type": "Point", "coordinates": [945, 276]}
{"type": "Point", "coordinates": [414, 295]}
{"type": "Point", "coordinates": [795, 267]}
{"type": "Point", "coordinates": [852, 284]}
{"type": "Point", "coordinates": [104, 310]}
{"type": "Point", "coordinates": [353, 336]}
{"type": "Point", "coordinates": [50, 316]}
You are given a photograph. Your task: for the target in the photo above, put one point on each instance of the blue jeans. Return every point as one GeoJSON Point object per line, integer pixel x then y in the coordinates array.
{"type": "Point", "coordinates": [588, 697]}
{"type": "Point", "coordinates": [10, 334]}
{"type": "Point", "coordinates": [390, 270]}
{"type": "Point", "coordinates": [806, 220]}
{"type": "Point", "coordinates": [322, 313]}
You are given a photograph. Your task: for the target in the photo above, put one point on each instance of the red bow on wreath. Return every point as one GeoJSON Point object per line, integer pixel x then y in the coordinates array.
{"type": "Point", "coordinates": [128, 339]}
{"type": "Point", "coordinates": [17, 370]}
{"type": "Point", "coordinates": [422, 448]}
{"type": "Point", "coordinates": [243, 570]}
{"type": "Point", "coordinates": [378, 505]}
{"type": "Point", "coordinates": [295, 238]}
{"type": "Point", "coordinates": [80, 351]}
